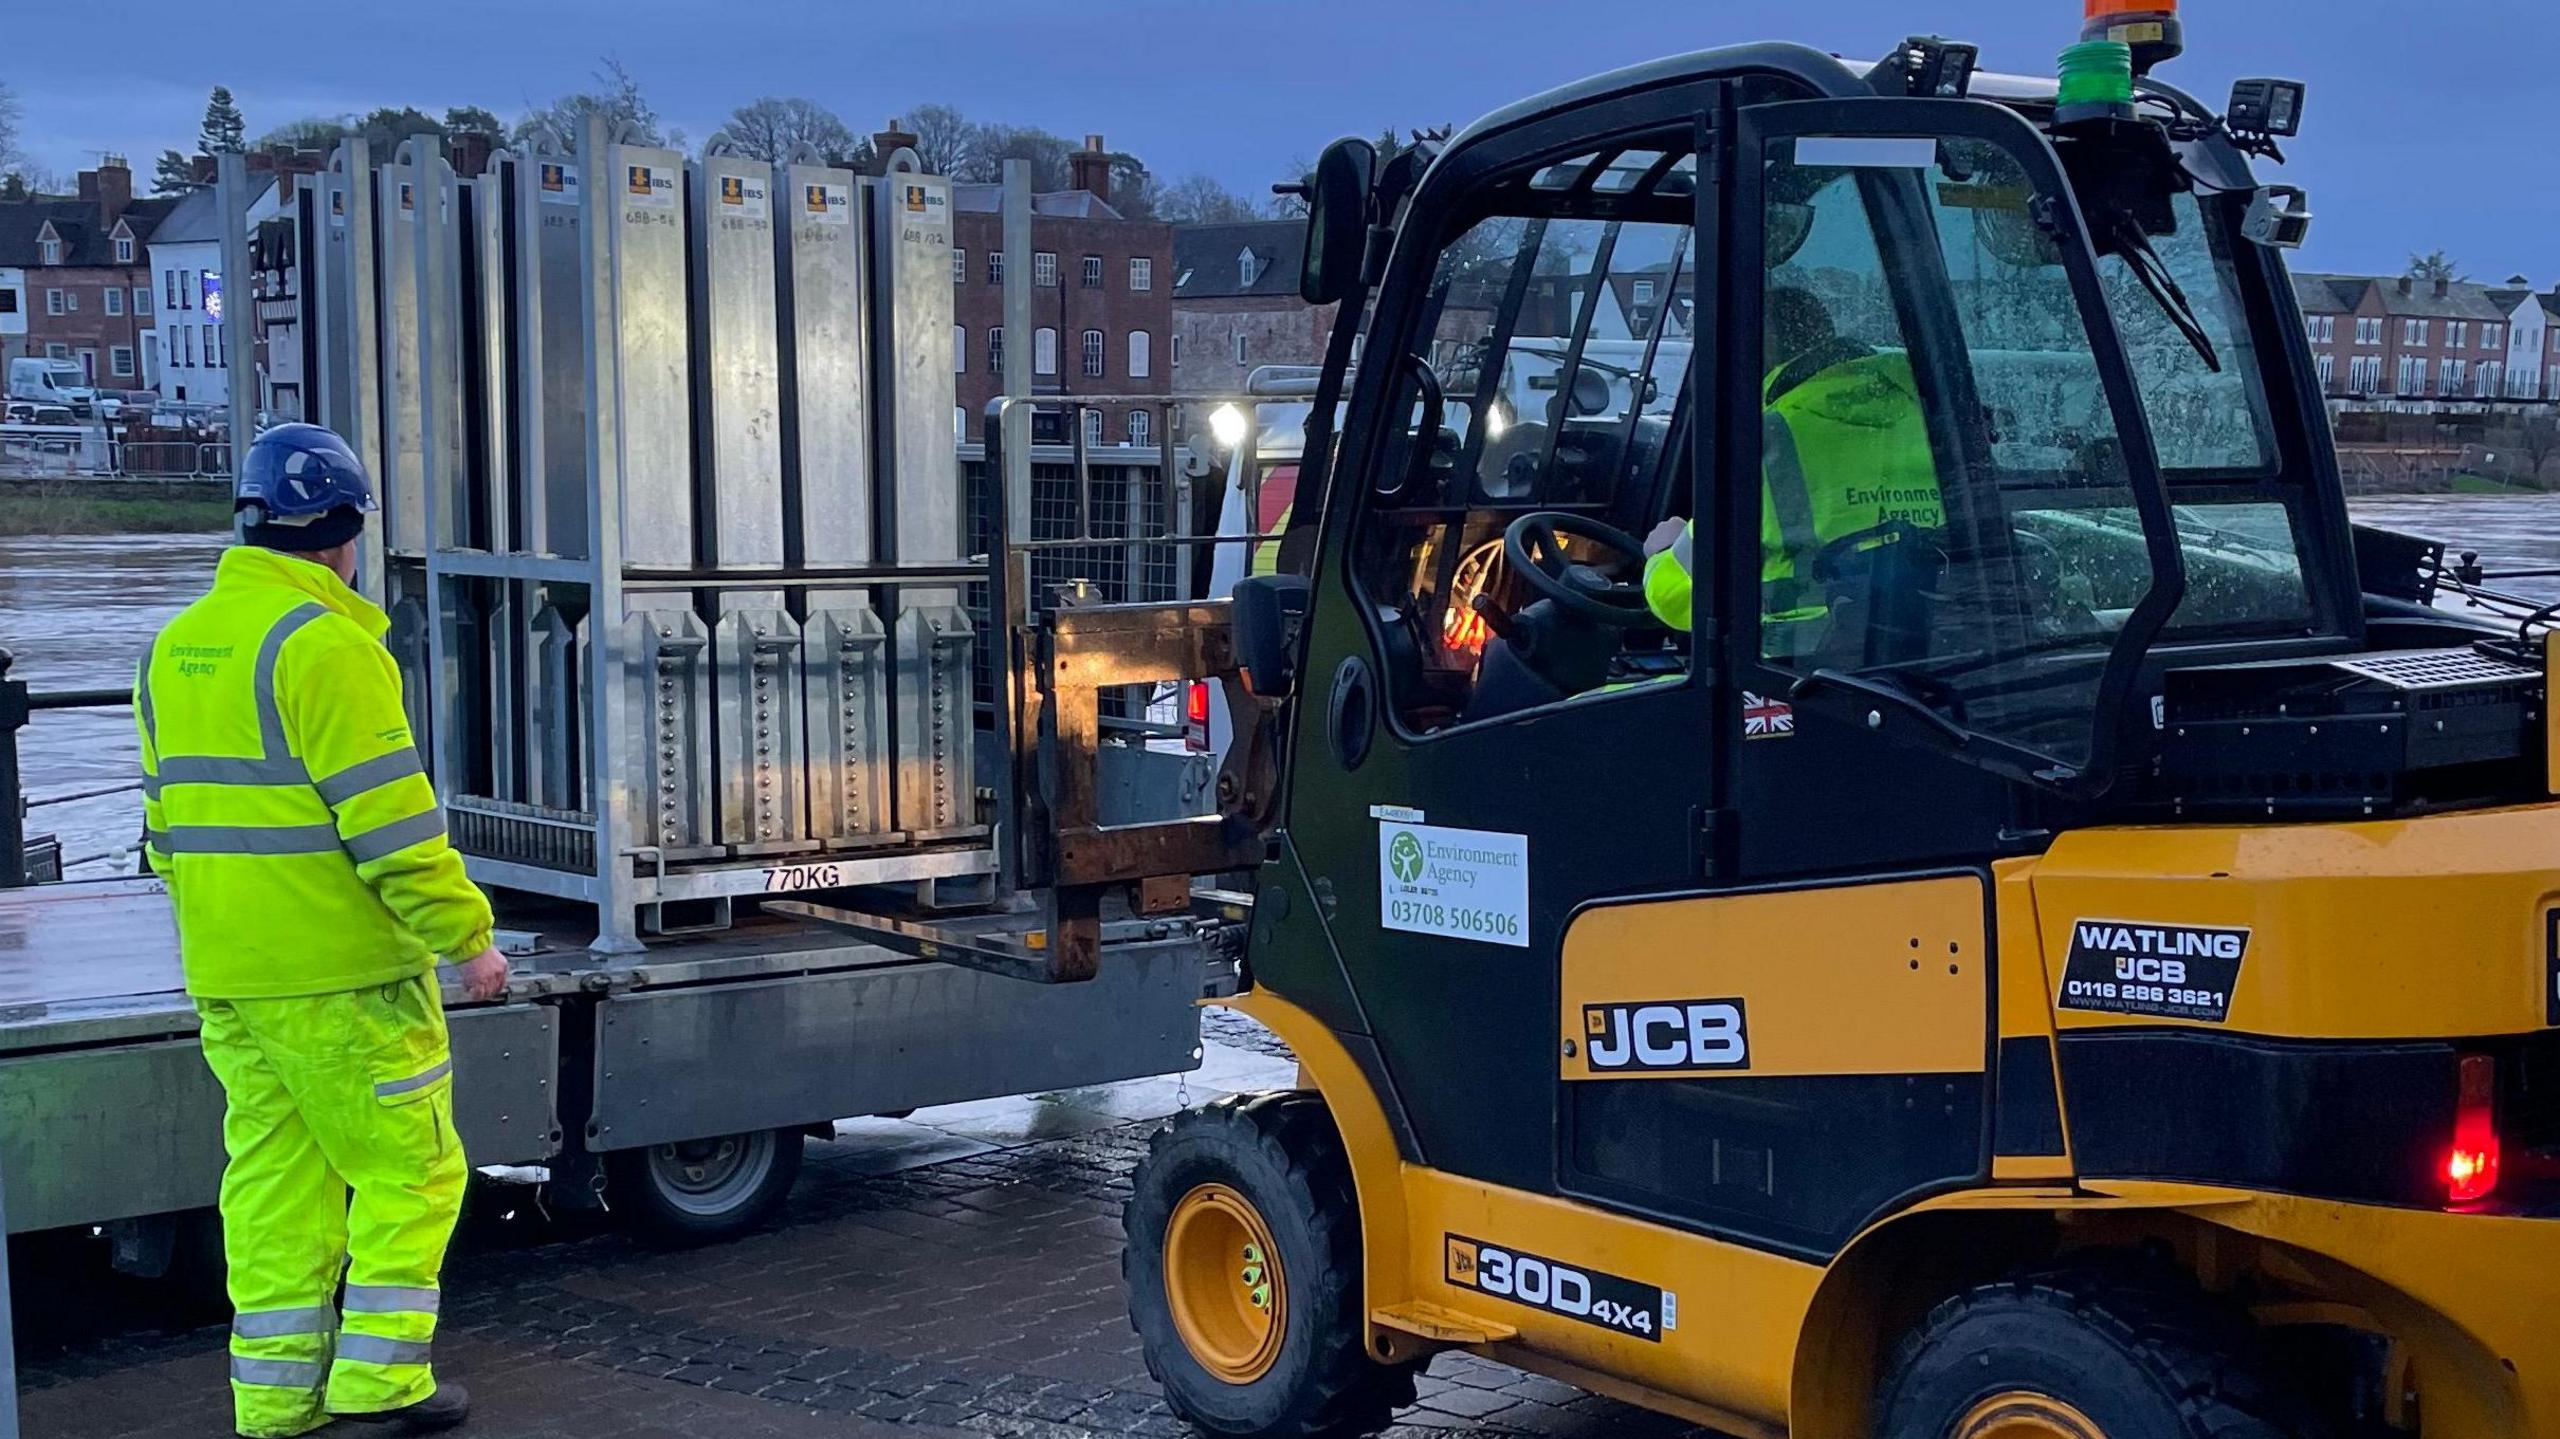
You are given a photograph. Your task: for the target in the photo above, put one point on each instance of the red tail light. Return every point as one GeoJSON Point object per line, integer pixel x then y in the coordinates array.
{"type": "Point", "coordinates": [2471, 1166]}
{"type": "Point", "coordinates": [1195, 714]}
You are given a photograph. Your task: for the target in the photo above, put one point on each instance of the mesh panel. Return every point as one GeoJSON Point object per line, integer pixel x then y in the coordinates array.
{"type": "Point", "coordinates": [1123, 568]}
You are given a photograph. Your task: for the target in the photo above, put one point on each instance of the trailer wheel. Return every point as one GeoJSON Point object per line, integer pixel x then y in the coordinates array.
{"type": "Point", "coordinates": [1243, 1269]}
{"type": "Point", "coordinates": [702, 1191]}
{"type": "Point", "coordinates": [2128, 1351]}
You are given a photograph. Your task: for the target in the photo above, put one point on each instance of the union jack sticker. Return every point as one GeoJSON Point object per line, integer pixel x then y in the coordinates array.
{"type": "Point", "coordinates": [1765, 718]}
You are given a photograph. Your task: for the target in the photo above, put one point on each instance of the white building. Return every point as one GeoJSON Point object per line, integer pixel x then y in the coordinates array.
{"type": "Point", "coordinates": [2533, 349]}
{"type": "Point", "coordinates": [184, 356]}
{"type": "Point", "coordinates": [13, 312]}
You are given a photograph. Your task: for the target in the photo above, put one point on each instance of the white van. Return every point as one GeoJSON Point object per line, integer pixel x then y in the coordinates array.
{"type": "Point", "coordinates": [53, 382]}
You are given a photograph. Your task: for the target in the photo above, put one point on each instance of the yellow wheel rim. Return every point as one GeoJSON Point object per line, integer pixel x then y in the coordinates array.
{"type": "Point", "coordinates": [1222, 1279]}
{"type": "Point", "coordinates": [2020, 1414]}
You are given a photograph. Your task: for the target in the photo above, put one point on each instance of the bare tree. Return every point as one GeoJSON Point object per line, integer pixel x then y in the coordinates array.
{"type": "Point", "coordinates": [617, 97]}
{"type": "Point", "coordinates": [776, 129]}
{"type": "Point", "coordinates": [1198, 199]}
{"type": "Point", "coordinates": [945, 140]}
{"type": "Point", "coordinates": [12, 115]}
{"type": "Point", "coordinates": [991, 145]}
{"type": "Point", "coordinates": [2539, 438]}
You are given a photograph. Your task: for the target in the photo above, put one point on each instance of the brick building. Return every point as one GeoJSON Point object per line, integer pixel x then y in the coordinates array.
{"type": "Point", "coordinates": [2407, 345]}
{"type": "Point", "coordinates": [1101, 304]}
{"type": "Point", "coordinates": [1236, 305]}
{"type": "Point", "coordinates": [82, 275]}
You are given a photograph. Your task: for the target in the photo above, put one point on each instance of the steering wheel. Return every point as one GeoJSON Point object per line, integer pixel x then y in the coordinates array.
{"type": "Point", "coordinates": [1535, 550]}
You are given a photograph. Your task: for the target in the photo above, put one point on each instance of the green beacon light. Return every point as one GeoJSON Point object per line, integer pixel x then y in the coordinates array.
{"type": "Point", "coordinates": [2097, 83]}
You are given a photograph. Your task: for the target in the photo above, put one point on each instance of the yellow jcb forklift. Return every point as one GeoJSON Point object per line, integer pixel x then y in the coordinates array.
{"type": "Point", "coordinates": [1859, 844]}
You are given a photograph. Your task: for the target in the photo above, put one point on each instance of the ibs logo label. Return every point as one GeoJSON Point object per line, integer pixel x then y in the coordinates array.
{"type": "Point", "coordinates": [733, 190]}
{"type": "Point", "coordinates": [555, 177]}
{"type": "Point", "coordinates": [915, 198]}
{"type": "Point", "coordinates": [638, 181]}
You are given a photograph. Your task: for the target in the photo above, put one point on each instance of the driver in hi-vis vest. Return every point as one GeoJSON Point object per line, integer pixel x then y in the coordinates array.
{"type": "Point", "coordinates": [1844, 450]}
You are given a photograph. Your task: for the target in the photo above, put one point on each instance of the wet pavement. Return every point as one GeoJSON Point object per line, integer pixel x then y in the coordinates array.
{"type": "Point", "coordinates": [953, 1273]}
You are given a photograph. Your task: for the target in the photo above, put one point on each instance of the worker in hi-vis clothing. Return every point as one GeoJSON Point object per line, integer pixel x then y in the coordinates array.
{"type": "Point", "coordinates": [286, 809]}
{"type": "Point", "coordinates": [1844, 450]}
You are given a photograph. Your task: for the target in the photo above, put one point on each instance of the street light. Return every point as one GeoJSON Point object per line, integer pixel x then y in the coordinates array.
{"type": "Point", "coordinates": [1228, 424]}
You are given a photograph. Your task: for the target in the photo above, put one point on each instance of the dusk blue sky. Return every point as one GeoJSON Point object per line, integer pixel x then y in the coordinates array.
{"type": "Point", "coordinates": [2430, 124]}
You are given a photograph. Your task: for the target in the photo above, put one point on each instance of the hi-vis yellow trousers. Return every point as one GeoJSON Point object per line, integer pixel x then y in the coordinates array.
{"type": "Point", "coordinates": [332, 1093]}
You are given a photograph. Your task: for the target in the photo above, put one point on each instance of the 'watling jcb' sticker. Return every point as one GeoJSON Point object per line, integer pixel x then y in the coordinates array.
{"type": "Point", "coordinates": [1606, 1300]}
{"type": "Point", "coordinates": [1665, 1036]}
{"type": "Point", "coordinates": [2159, 971]}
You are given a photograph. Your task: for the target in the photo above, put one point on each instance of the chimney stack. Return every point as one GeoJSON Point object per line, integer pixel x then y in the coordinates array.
{"type": "Point", "coordinates": [109, 187]}
{"type": "Point", "coordinates": [2443, 287]}
{"type": "Point", "coordinates": [2405, 283]}
{"type": "Point", "coordinates": [1089, 169]}
{"type": "Point", "coordinates": [470, 150]}
{"type": "Point", "coordinates": [888, 141]}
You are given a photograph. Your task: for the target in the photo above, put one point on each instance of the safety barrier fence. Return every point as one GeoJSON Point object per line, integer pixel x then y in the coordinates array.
{"type": "Point", "coordinates": [18, 705]}
{"type": "Point", "coordinates": [82, 453]}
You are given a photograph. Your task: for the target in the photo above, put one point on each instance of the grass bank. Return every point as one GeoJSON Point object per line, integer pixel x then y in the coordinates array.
{"type": "Point", "coordinates": [103, 507]}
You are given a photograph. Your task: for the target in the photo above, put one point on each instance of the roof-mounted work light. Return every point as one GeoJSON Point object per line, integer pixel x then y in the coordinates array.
{"type": "Point", "coordinates": [1932, 66]}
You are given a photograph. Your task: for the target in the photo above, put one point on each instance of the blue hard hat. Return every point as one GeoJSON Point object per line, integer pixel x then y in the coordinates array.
{"type": "Point", "coordinates": [295, 474]}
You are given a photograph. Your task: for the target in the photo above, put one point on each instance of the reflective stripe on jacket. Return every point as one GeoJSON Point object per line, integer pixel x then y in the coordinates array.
{"type": "Point", "coordinates": [284, 802]}
{"type": "Point", "coordinates": [1843, 452]}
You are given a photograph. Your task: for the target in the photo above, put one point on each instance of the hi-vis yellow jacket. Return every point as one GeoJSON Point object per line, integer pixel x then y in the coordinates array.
{"type": "Point", "coordinates": [283, 800]}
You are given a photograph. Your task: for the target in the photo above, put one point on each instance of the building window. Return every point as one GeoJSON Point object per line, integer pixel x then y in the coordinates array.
{"type": "Point", "coordinates": [1091, 346]}
{"type": "Point", "coordinates": [142, 299]}
{"type": "Point", "coordinates": [1173, 356]}
{"type": "Point", "coordinates": [2491, 374]}
{"type": "Point", "coordinates": [2328, 373]}
{"type": "Point", "coordinates": [1092, 427]}
{"type": "Point", "coordinates": [995, 267]}
{"type": "Point", "coordinates": [995, 349]}
{"type": "Point", "coordinates": [1239, 347]}
{"type": "Point", "coordinates": [959, 267]}
{"type": "Point", "coordinates": [2457, 333]}
{"type": "Point", "coordinates": [1044, 269]}
{"type": "Point", "coordinates": [115, 299]}
{"type": "Point", "coordinates": [1142, 273]}
{"type": "Point", "coordinates": [213, 346]}
{"type": "Point", "coordinates": [1141, 354]}
{"type": "Point", "coordinates": [959, 349]}
{"type": "Point", "coordinates": [2369, 331]}
{"type": "Point", "coordinates": [1248, 269]}
{"type": "Point", "coordinates": [182, 349]}
{"type": "Point", "coordinates": [2364, 375]}
{"type": "Point", "coordinates": [1093, 272]}
{"type": "Point", "coordinates": [169, 289]}
{"type": "Point", "coordinates": [120, 362]}
{"type": "Point", "coordinates": [186, 289]}
{"type": "Point", "coordinates": [1641, 292]}
{"type": "Point", "coordinates": [1141, 426]}
{"type": "Point", "coordinates": [8, 302]}
{"type": "Point", "coordinates": [1044, 351]}
{"type": "Point", "coordinates": [2324, 328]}
{"type": "Point", "coordinates": [2412, 379]}
{"type": "Point", "coordinates": [56, 350]}
{"type": "Point", "coordinates": [2493, 337]}
{"type": "Point", "coordinates": [50, 252]}
{"type": "Point", "coordinates": [2449, 377]}
{"type": "Point", "coordinates": [124, 250]}
{"type": "Point", "coordinates": [53, 302]}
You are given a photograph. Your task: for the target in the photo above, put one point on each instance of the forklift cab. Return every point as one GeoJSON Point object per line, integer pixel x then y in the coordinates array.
{"type": "Point", "coordinates": [1971, 417]}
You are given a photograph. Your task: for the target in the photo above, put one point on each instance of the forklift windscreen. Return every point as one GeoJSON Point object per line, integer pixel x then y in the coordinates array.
{"type": "Point", "coordinates": [1945, 500]}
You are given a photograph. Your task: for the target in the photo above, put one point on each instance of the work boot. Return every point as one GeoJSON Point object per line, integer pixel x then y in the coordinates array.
{"type": "Point", "coordinates": [443, 1409]}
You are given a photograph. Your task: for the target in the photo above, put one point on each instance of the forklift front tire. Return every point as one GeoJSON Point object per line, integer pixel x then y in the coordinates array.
{"type": "Point", "coordinates": [1243, 1269]}
{"type": "Point", "coordinates": [2086, 1352]}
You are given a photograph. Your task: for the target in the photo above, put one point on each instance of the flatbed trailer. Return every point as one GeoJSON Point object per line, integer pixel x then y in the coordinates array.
{"type": "Point", "coordinates": [775, 1027]}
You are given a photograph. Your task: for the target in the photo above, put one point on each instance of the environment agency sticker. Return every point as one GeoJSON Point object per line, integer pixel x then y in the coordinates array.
{"type": "Point", "coordinates": [1467, 884]}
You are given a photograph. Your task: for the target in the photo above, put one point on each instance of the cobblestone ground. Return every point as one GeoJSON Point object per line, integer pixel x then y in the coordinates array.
{"type": "Point", "coordinates": [955, 1274]}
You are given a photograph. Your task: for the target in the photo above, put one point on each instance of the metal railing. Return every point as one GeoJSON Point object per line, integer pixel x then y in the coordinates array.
{"type": "Point", "coordinates": [17, 706]}
{"type": "Point", "coordinates": [85, 453]}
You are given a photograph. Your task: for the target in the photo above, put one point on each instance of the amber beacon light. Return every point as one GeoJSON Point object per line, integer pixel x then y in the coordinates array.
{"type": "Point", "coordinates": [2150, 27]}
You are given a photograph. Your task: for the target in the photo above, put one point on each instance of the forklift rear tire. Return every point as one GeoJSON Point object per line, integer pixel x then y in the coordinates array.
{"type": "Point", "coordinates": [2087, 1352]}
{"type": "Point", "coordinates": [1243, 1268]}
{"type": "Point", "coordinates": [703, 1191]}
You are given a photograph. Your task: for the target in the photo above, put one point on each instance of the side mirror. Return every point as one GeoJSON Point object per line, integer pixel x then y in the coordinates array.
{"type": "Point", "coordinates": [1270, 610]}
{"type": "Point", "coordinates": [1338, 220]}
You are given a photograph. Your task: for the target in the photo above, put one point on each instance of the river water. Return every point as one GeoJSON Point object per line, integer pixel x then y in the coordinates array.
{"type": "Point", "coordinates": [77, 611]}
